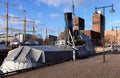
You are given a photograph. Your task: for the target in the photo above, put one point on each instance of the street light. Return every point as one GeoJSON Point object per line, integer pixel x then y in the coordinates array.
{"type": "Point", "coordinates": [116, 35]}
{"type": "Point", "coordinates": [102, 34]}
{"type": "Point", "coordinates": [103, 7]}
{"type": "Point", "coordinates": [112, 10]}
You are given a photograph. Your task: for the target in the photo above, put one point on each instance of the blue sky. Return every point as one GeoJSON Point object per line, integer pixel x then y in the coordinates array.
{"type": "Point", "coordinates": [50, 13]}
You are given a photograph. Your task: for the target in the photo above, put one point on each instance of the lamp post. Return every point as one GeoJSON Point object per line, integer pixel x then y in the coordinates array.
{"type": "Point", "coordinates": [102, 34]}
{"type": "Point", "coordinates": [116, 34]}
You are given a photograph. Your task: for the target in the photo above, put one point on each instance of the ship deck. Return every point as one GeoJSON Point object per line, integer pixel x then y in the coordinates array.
{"type": "Point", "coordinates": [92, 67]}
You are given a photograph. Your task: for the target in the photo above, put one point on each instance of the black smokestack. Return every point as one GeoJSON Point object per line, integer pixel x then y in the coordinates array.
{"type": "Point", "coordinates": [68, 21]}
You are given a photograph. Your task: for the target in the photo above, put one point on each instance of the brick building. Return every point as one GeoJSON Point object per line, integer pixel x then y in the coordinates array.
{"type": "Point", "coordinates": [98, 23]}
{"type": "Point", "coordinates": [78, 23]}
{"type": "Point", "coordinates": [112, 36]}
{"type": "Point", "coordinates": [98, 28]}
{"type": "Point", "coordinates": [50, 40]}
{"type": "Point", "coordinates": [61, 36]}
{"type": "Point", "coordinates": [94, 36]}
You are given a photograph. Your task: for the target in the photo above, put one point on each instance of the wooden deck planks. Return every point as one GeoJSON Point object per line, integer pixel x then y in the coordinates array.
{"type": "Point", "coordinates": [92, 67]}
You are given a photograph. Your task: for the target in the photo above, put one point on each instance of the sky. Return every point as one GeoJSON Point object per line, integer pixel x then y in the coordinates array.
{"type": "Point", "coordinates": [50, 14]}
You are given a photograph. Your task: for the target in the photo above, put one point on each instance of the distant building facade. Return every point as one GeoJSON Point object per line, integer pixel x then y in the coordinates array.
{"type": "Point", "coordinates": [94, 36]}
{"type": "Point", "coordinates": [19, 37]}
{"type": "Point", "coordinates": [112, 36]}
{"type": "Point", "coordinates": [50, 40]}
{"type": "Point", "coordinates": [61, 36]}
{"type": "Point", "coordinates": [11, 37]}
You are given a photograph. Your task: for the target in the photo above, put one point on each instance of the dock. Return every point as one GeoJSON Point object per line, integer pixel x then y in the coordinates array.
{"type": "Point", "coordinates": [3, 52]}
{"type": "Point", "coordinates": [92, 67]}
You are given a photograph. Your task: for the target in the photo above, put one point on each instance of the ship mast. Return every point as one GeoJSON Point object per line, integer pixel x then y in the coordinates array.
{"type": "Point", "coordinates": [7, 18]}
{"type": "Point", "coordinates": [25, 23]}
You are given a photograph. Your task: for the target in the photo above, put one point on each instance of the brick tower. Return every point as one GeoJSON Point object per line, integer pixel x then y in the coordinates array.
{"type": "Point", "coordinates": [98, 23]}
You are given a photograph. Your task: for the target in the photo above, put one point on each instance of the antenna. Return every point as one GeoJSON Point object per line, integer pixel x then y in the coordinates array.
{"type": "Point", "coordinates": [33, 27]}
{"type": "Point", "coordinates": [73, 6]}
{"type": "Point", "coordinates": [46, 32]}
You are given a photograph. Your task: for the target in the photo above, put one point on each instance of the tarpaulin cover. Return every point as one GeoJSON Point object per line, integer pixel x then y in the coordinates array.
{"type": "Point", "coordinates": [32, 56]}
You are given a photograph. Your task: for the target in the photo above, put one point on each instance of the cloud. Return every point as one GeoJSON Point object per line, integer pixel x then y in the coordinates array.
{"type": "Point", "coordinates": [54, 15]}
{"type": "Point", "coordinates": [54, 3]}
{"type": "Point", "coordinates": [43, 30]}
{"type": "Point", "coordinates": [40, 15]}
{"type": "Point", "coordinates": [117, 3]}
{"type": "Point", "coordinates": [13, 16]}
{"type": "Point", "coordinates": [2, 23]}
{"type": "Point", "coordinates": [20, 7]}
{"type": "Point", "coordinates": [39, 26]}
{"type": "Point", "coordinates": [66, 9]}
{"type": "Point", "coordinates": [115, 22]}
{"type": "Point", "coordinates": [59, 3]}
{"type": "Point", "coordinates": [66, 5]}
{"type": "Point", "coordinates": [38, 22]}
{"type": "Point", "coordinates": [10, 25]}
{"type": "Point", "coordinates": [15, 21]}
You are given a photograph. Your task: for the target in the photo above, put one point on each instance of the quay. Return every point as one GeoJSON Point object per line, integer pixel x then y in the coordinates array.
{"type": "Point", "coordinates": [92, 67]}
{"type": "Point", "coordinates": [3, 52]}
